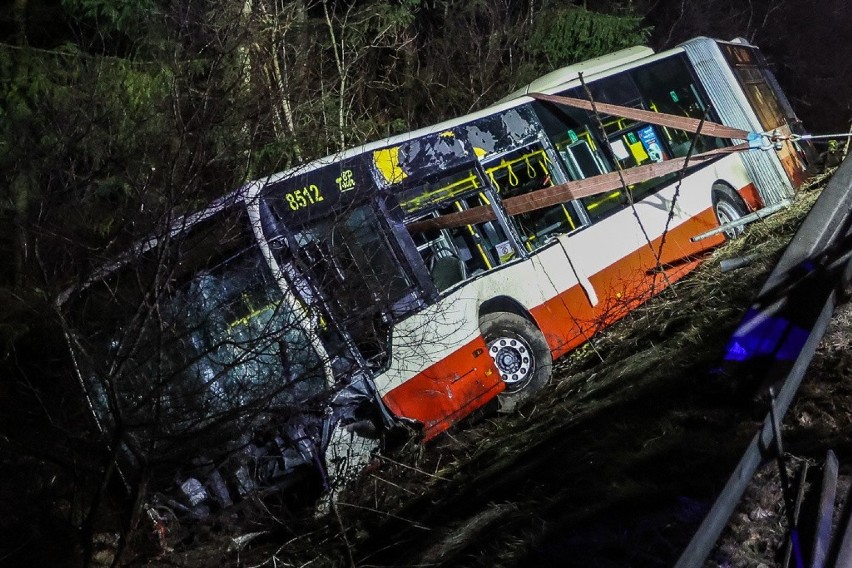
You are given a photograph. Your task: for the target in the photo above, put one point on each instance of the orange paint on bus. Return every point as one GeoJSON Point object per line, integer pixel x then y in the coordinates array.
{"type": "Point", "coordinates": [751, 197]}
{"type": "Point", "coordinates": [448, 390]}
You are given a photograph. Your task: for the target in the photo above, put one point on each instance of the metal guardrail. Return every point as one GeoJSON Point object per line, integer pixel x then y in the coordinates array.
{"type": "Point", "coordinates": [777, 338]}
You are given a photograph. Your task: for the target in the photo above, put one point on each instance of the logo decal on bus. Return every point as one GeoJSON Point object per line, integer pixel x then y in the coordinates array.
{"type": "Point", "coordinates": [346, 181]}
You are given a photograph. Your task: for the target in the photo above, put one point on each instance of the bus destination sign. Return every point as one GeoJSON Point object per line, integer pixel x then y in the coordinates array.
{"type": "Point", "coordinates": [315, 194]}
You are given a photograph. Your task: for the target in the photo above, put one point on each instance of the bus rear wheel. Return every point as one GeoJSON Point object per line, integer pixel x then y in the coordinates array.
{"type": "Point", "coordinates": [520, 354]}
{"type": "Point", "coordinates": [729, 207]}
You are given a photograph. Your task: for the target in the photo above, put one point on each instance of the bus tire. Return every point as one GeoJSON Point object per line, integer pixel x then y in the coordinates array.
{"type": "Point", "coordinates": [520, 354]}
{"type": "Point", "coordinates": [729, 207]}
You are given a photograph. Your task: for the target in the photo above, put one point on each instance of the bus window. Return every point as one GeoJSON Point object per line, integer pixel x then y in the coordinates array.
{"type": "Point", "coordinates": [441, 257]}
{"type": "Point", "coordinates": [453, 255]}
{"type": "Point", "coordinates": [640, 145]}
{"type": "Point", "coordinates": [574, 139]}
{"type": "Point", "coordinates": [571, 132]}
{"type": "Point", "coordinates": [522, 172]}
{"type": "Point", "coordinates": [668, 87]}
{"type": "Point", "coordinates": [664, 86]}
{"type": "Point", "coordinates": [483, 246]}
{"type": "Point", "coordinates": [582, 162]}
{"type": "Point", "coordinates": [197, 329]}
{"type": "Point", "coordinates": [746, 65]}
{"type": "Point", "coordinates": [618, 89]}
{"type": "Point", "coordinates": [637, 146]}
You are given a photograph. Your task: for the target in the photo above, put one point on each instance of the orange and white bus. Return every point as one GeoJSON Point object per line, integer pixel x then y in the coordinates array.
{"type": "Point", "coordinates": [447, 318]}
{"type": "Point", "coordinates": [419, 289]}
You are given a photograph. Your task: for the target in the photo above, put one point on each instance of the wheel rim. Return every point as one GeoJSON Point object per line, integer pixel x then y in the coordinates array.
{"type": "Point", "coordinates": [514, 360]}
{"type": "Point", "coordinates": [727, 213]}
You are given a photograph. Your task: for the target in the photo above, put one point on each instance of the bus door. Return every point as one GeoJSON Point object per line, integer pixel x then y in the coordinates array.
{"type": "Point", "coordinates": [562, 282]}
{"type": "Point", "coordinates": [773, 111]}
{"type": "Point", "coordinates": [616, 257]}
{"type": "Point", "coordinates": [360, 280]}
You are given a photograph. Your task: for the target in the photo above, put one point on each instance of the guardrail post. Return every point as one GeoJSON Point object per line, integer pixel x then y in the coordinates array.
{"type": "Point", "coordinates": [786, 489]}
{"type": "Point", "coordinates": [822, 532]}
{"type": "Point", "coordinates": [844, 550]}
{"type": "Point", "coordinates": [800, 497]}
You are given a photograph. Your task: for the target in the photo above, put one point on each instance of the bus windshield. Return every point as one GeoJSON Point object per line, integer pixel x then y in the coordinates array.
{"type": "Point", "coordinates": [196, 332]}
{"type": "Point", "coordinates": [357, 276]}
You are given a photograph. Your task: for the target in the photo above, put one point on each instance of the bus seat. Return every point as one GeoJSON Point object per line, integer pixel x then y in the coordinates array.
{"type": "Point", "coordinates": [446, 271]}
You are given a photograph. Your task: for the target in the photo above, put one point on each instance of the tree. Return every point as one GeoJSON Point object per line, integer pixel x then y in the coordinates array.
{"type": "Point", "coordinates": [98, 150]}
{"type": "Point", "coordinates": [563, 35]}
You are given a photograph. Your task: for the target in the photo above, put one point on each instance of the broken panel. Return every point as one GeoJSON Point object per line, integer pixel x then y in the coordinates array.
{"type": "Point", "coordinates": [190, 355]}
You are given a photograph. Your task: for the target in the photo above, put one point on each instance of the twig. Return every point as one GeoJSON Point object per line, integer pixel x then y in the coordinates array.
{"type": "Point", "coordinates": [342, 530]}
{"type": "Point", "coordinates": [412, 468]}
{"type": "Point", "coordinates": [274, 556]}
{"type": "Point", "coordinates": [386, 514]}
{"type": "Point", "coordinates": [391, 483]}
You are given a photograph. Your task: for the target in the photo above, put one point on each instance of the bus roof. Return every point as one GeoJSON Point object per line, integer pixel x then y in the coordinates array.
{"type": "Point", "coordinates": [555, 81]}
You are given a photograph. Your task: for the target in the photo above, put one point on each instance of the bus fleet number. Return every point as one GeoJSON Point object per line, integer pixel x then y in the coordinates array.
{"type": "Point", "coordinates": [301, 198]}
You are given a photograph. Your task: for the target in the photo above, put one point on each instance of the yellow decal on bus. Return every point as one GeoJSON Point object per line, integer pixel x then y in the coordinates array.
{"type": "Point", "coordinates": [304, 197]}
{"type": "Point", "coordinates": [387, 162]}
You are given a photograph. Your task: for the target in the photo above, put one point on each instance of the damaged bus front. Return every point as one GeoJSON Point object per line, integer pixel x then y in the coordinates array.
{"type": "Point", "coordinates": [206, 376]}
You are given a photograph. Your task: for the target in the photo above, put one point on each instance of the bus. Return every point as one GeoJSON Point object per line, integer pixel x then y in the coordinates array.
{"type": "Point", "coordinates": [397, 283]}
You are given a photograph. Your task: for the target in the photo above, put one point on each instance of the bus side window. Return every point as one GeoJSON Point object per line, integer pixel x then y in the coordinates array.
{"type": "Point", "coordinates": [641, 145]}
{"type": "Point", "coordinates": [523, 172]}
{"type": "Point", "coordinates": [579, 149]}
{"type": "Point", "coordinates": [582, 162]}
{"type": "Point", "coordinates": [668, 87]}
{"type": "Point", "coordinates": [455, 254]}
